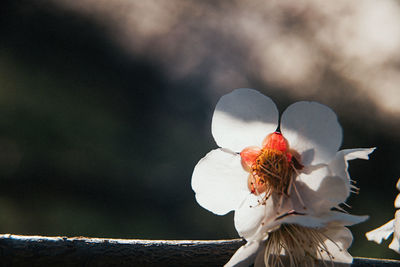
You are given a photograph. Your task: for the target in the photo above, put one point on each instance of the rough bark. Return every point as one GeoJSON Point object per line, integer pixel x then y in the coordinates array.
{"type": "Point", "coordinates": [16, 250]}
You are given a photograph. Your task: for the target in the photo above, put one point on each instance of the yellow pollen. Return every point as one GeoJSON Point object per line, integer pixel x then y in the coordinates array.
{"type": "Point", "coordinates": [271, 172]}
{"type": "Point", "coordinates": [295, 245]}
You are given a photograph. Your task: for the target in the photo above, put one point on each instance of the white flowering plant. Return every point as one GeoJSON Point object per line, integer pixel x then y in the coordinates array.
{"type": "Point", "coordinates": [389, 228]}
{"type": "Point", "coordinates": [284, 179]}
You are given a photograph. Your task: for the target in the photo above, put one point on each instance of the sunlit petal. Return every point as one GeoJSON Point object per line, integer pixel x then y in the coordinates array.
{"type": "Point", "coordinates": [243, 118]}
{"type": "Point", "coordinates": [395, 245]}
{"type": "Point", "coordinates": [219, 181]}
{"type": "Point", "coordinates": [357, 153]}
{"type": "Point", "coordinates": [381, 233]}
{"type": "Point", "coordinates": [323, 219]}
{"type": "Point", "coordinates": [312, 130]}
{"type": "Point", "coordinates": [338, 241]}
{"type": "Point", "coordinates": [397, 201]}
{"type": "Point", "coordinates": [249, 215]}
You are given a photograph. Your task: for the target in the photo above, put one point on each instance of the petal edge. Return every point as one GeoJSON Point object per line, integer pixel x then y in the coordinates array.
{"type": "Point", "coordinates": [219, 181]}
{"type": "Point", "coordinates": [243, 118]}
{"type": "Point", "coordinates": [313, 130]}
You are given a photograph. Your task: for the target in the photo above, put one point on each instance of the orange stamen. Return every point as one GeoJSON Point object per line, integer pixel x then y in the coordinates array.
{"type": "Point", "coordinates": [272, 167]}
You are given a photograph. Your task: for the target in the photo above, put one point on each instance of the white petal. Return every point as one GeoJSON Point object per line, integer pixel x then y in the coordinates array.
{"type": "Point", "coordinates": [314, 178]}
{"type": "Point", "coordinates": [249, 216]}
{"type": "Point", "coordinates": [321, 192]}
{"type": "Point", "coordinates": [245, 255]}
{"type": "Point", "coordinates": [346, 219]}
{"type": "Point", "coordinates": [395, 245]}
{"type": "Point", "coordinates": [312, 130]}
{"type": "Point", "coordinates": [304, 220]}
{"type": "Point", "coordinates": [381, 233]}
{"type": "Point", "coordinates": [243, 118]}
{"type": "Point", "coordinates": [331, 192]}
{"type": "Point", "coordinates": [291, 212]}
{"type": "Point", "coordinates": [219, 181]}
{"type": "Point", "coordinates": [397, 202]}
{"type": "Point", "coordinates": [398, 185]}
{"type": "Point", "coordinates": [338, 166]}
{"type": "Point", "coordinates": [322, 220]}
{"type": "Point", "coordinates": [357, 153]}
{"type": "Point", "coordinates": [254, 221]}
{"type": "Point", "coordinates": [340, 239]}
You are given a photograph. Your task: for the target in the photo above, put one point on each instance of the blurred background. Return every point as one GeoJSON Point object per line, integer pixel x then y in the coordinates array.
{"type": "Point", "coordinates": [106, 106]}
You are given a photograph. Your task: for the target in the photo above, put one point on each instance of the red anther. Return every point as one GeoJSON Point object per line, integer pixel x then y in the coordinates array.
{"type": "Point", "coordinates": [249, 156]}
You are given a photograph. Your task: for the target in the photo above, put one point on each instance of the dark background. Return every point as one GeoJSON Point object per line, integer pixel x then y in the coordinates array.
{"type": "Point", "coordinates": [101, 127]}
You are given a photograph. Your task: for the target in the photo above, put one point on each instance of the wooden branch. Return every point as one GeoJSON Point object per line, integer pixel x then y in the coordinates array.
{"type": "Point", "coordinates": [17, 250]}
{"type": "Point", "coordinates": [80, 251]}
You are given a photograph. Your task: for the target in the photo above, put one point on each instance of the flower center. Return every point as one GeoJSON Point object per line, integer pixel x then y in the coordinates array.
{"type": "Point", "coordinates": [271, 172]}
{"type": "Point", "coordinates": [295, 245]}
{"type": "Point", "coordinates": [271, 167]}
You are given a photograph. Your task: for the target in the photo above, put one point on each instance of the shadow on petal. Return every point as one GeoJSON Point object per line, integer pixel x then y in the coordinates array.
{"type": "Point", "coordinates": [332, 191]}
{"type": "Point", "coordinates": [307, 156]}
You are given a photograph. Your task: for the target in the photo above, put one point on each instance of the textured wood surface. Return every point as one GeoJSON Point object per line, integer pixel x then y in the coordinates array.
{"type": "Point", "coordinates": [16, 250]}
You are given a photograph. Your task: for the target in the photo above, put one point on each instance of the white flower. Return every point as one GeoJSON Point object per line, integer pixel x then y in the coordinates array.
{"type": "Point", "coordinates": [392, 226]}
{"type": "Point", "coordinates": [285, 187]}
